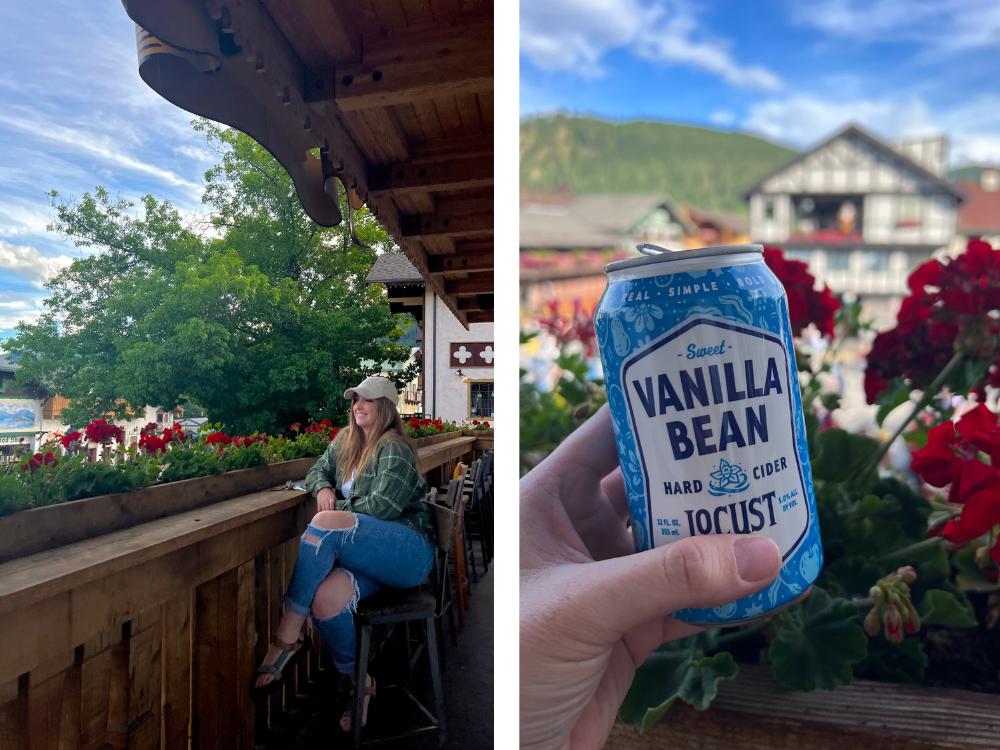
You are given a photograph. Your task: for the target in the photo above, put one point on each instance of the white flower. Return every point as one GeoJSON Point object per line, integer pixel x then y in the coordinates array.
{"type": "Point", "coordinates": [643, 315]}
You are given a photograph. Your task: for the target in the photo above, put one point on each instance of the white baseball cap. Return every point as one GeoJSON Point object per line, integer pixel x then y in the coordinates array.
{"type": "Point", "coordinates": [374, 387]}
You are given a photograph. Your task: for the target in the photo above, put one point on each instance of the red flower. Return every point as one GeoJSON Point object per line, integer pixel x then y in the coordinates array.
{"type": "Point", "coordinates": [149, 429]}
{"type": "Point", "coordinates": [576, 327]}
{"type": "Point", "coordinates": [979, 428]}
{"type": "Point", "coordinates": [153, 443]}
{"type": "Point", "coordinates": [220, 438]}
{"type": "Point", "coordinates": [333, 432]}
{"type": "Point", "coordinates": [980, 513]}
{"type": "Point", "coordinates": [296, 427]}
{"type": "Point", "coordinates": [805, 304]}
{"type": "Point", "coordinates": [936, 463]}
{"type": "Point", "coordinates": [948, 311]}
{"type": "Point", "coordinates": [102, 432]}
{"type": "Point", "coordinates": [893, 624]}
{"type": "Point", "coordinates": [971, 479]}
{"type": "Point", "coordinates": [326, 424]}
{"type": "Point", "coordinates": [68, 440]}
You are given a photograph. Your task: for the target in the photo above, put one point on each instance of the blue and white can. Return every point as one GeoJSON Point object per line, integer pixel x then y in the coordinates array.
{"type": "Point", "coordinates": [700, 371]}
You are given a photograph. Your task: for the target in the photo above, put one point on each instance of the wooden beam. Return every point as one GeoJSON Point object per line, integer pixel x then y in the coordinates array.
{"type": "Point", "coordinates": [480, 283]}
{"type": "Point", "coordinates": [460, 262]}
{"type": "Point", "coordinates": [479, 302]}
{"type": "Point", "coordinates": [460, 145]}
{"type": "Point", "coordinates": [404, 68]}
{"type": "Point", "coordinates": [439, 223]}
{"type": "Point", "coordinates": [480, 316]}
{"type": "Point", "coordinates": [442, 174]}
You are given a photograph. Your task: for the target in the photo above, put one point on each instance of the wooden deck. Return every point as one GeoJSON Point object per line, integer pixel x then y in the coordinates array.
{"type": "Point", "coordinates": [148, 636]}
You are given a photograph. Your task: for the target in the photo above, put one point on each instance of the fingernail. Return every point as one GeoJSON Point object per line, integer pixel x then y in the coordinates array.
{"type": "Point", "coordinates": [755, 557]}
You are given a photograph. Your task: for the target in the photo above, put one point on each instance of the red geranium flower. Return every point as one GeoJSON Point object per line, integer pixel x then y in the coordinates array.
{"type": "Point", "coordinates": [980, 513]}
{"type": "Point", "coordinates": [576, 327]}
{"type": "Point", "coordinates": [153, 443]}
{"type": "Point", "coordinates": [68, 440]}
{"type": "Point", "coordinates": [149, 429]}
{"type": "Point", "coordinates": [296, 427]}
{"type": "Point", "coordinates": [219, 438]}
{"type": "Point", "coordinates": [102, 432]}
{"type": "Point", "coordinates": [949, 310]}
{"type": "Point", "coordinates": [805, 304]}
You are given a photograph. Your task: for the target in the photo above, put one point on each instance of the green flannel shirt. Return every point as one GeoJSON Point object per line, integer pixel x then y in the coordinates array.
{"type": "Point", "coordinates": [389, 488]}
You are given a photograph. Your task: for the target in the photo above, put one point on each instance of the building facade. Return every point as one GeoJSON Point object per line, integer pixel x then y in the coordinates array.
{"type": "Point", "coordinates": [861, 213]}
{"type": "Point", "coordinates": [457, 379]}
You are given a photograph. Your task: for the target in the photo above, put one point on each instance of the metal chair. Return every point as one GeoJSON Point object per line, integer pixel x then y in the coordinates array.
{"type": "Point", "coordinates": [392, 607]}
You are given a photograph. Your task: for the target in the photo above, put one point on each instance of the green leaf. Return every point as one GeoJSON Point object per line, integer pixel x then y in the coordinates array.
{"type": "Point", "coordinates": [968, 575]}
{"type": "Point", "coordinates": [897, 394]}
{"type": "Point", "coordinates": [656, 686]}
{"type": "Point", "coordinates": [830, 401]}
{"type": "Point", "coordinates": [940, 607]}
{"type": "Point", "coordinates": [675, 670]}
{"type": "Point", "coordinates": [902, 662]}
{"type": "Point", "coordinates": [701, 684]}
{"type": "Point", "coordinates": [818, 642]}
{"type": "Point", "coordinates": [841, 452]}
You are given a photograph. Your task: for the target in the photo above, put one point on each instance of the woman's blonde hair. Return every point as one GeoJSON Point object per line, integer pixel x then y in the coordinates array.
{"type": "Point", "coordinates": [356, 452]}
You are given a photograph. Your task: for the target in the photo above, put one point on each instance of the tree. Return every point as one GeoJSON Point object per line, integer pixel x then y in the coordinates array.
{"type": "Point", "coordinates": [255, 313]}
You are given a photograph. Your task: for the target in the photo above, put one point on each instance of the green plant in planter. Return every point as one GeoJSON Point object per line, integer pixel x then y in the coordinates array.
{"type": "Point", "coordinates": [898, 557]}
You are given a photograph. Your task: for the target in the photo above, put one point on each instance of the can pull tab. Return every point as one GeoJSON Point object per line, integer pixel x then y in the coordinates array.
{"type": "Point", "coordinates": [647, 249]}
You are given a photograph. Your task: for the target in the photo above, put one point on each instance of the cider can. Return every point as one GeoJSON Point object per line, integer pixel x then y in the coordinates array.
{"type": "Point", "coordinates": [700, 370]}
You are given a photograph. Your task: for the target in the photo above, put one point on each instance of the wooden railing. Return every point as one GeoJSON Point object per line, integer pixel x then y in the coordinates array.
{"type": "Point", "coordinates": [148, 637]}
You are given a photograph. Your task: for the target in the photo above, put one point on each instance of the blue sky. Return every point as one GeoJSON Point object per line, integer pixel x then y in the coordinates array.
{"type": "Point", "coordinates": [791, 71]}
{"type": "Point", "coordinates": [74, 114]}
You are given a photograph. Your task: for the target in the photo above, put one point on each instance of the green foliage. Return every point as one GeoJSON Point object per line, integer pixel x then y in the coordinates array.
{"type": "Point", "coordinates": [264, 326]}
{"type": "Point", "coordinates": [897, 394]}
{"type": "Point", "coordinates": [818, 642]}
{"type": "Point", "coordinates": [902, 662]}
{"type": "Point", "coordinates": [940, 607]}
{"type": "Point", "coordinates": [549, 416]}
{"type": "Point", "coordinates": [678, 669]}
{"type": "Point", "coordinates": [706, 168]}
{"type": "Point", "coordinates": [840, 453]}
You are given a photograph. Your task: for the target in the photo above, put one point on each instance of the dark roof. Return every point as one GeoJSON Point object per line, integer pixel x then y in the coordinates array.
{"type": "Point", "coordinates": [6, 363]}
{"type": "Point", "coordinates": [393, 268]}
{"type": "Point", "coordinates": [734, 224]}
{"type": "Point", "coordinates": [591, 221]}
{"type": "Point", "coordinates": [981, 213]}
{"type": "Point", "coordinates": [854, 130]}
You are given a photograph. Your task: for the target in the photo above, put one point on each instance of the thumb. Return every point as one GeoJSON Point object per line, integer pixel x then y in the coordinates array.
{"type": "Point", "coordinates": [699, 572]}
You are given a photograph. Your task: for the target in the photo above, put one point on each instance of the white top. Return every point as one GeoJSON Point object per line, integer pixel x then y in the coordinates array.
{"type": "Point", "coordinates": [345, 488]}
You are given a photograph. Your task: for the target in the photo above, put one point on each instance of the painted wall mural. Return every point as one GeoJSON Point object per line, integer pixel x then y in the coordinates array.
{"type": "Point", "coordinates": [20, 415]}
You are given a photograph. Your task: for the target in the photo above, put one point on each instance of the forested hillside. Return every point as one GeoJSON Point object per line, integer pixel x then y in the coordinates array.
{"type": "Point", "coordinates": [706, 168]}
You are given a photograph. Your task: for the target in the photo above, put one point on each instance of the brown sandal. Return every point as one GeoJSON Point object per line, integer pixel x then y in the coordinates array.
{"type": "Point", "coordinates": [291, 654]}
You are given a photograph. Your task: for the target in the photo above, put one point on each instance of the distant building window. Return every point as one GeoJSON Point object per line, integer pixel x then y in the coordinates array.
{"type": "Point", "coordinates": [873, 260]}
{"type": "Point", "coordinates": [481, 400]}
{"type": "Point", "coordinates": [769, 209]}
{"type": "Point", "coordinates": [908, 213]}
{"type": "Point", "coordinates": [837, 260]}
{"type": "Point", "coordinates": [804, 255]}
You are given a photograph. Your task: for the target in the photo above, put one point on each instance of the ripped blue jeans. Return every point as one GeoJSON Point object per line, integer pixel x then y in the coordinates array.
{"type": "Point", "coordinates": [374, 554]}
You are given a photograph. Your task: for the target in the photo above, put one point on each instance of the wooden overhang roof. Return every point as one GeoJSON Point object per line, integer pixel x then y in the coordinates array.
{"type": "Point", "coordinates": [396, 94]}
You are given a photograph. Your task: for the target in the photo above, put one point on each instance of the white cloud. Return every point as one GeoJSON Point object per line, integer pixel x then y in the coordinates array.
{"type": "Point", "coordinates": [30, 264]}
{"type": "Point", "coordinates": [802, 121]}
{"type": "Point", "coordinates": [721, 117]}
{"type": "Point", "coordinates": [102, 146]}
{"type": "Point", "coordinates": [573, 35]}
{"type": "Point", "coordinates": [950, 25]}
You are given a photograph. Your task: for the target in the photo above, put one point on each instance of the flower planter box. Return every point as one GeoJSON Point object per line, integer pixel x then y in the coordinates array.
{"type": "Point", "coordinates": [755, 712]}
{"type": "Point", "coordinates": [38, 529]}
{"type": "Point", "coordinates": [435, 439]}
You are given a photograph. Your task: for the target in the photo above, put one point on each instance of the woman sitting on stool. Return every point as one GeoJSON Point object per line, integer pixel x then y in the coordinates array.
{"type": "Point", "coordinates": [373, 533]}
